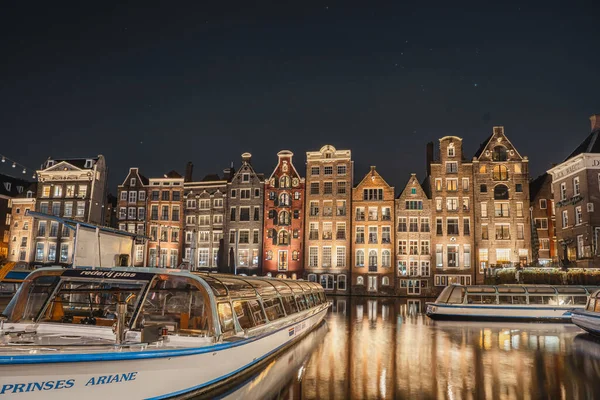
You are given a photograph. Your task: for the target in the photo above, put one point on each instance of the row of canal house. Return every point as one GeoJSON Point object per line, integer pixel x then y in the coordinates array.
{"type": "Point", "coordinates": [348, 233]}
{"type": "Point", "coordinates": [466, 215]}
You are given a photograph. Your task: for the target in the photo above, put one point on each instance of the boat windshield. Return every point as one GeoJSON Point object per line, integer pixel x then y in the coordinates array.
{"type": "Point", "coordinates": [90, 302]}
{"type": "Point", "coordinates": [443, 297]}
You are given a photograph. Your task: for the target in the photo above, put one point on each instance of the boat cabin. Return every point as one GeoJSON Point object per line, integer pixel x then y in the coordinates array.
{"type": "Point", "coordinates": [516, 295]}
{"type": "Point", "coordinates": [185, 303]}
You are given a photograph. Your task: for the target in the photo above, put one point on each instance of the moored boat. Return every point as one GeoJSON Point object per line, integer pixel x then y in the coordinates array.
{"type": "Point", "coordinates": [541, 303]}
{"type": "Point", "coordinates": [146, 332]}
{"type": "Point", "coordinates": [588, 318]}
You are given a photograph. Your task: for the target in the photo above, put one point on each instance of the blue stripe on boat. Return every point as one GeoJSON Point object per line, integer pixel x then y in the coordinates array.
{"type": "Point", "coordinates": [500, 307]}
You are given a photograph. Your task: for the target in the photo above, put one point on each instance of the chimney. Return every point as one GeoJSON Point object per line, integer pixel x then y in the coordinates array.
{"type": "Point", "coordinates": [189, 169]}
{"type": "Point", "coordinates": [247, 157]}
{"type": "Point", "coordinates": [595, 120]}
{"type": "Point", "coordinates": [429, 157]}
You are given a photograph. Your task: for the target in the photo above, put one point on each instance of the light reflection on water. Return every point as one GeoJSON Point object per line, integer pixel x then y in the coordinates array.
{"type": "Point", "coordinates": [384, 348]}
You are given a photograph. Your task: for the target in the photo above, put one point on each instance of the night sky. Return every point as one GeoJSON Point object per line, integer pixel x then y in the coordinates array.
{"type": "Point", "coordinates": [155, 87]}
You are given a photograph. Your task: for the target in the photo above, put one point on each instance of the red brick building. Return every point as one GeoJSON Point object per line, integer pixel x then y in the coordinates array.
{"type": "Point", "coordinates": [284, 219]}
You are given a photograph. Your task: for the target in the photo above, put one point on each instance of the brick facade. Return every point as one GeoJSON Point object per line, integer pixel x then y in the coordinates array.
{"type": "Point", "coordinates": [132, 211]}
{"type": "Point", "coordinates": [544, 220]}
{"type": "Point", "coordinates": [413, 241]}
{"type": "Point", "coordinates": [451, 188]}
{"type": "Point", "coordinates": [501, 192]}
{"type": "Point", "coordinates": [327, 236]}
{"type": "Point", "coordinates": [283, 234]}
{"type": "Point", "coordinates": [374, 236]}
{"type": "Point", "coordinates": [21, 244]}
{"type": "Point", "coordinates": [244, 221]}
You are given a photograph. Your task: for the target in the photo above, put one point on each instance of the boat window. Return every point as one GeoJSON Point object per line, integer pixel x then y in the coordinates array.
{"type": "Point", "coordinates": [273, 308]}
{"type": "Point", "coordinates": [540, 289]}
{"type": "Point", "coordinates": [571, 290]}
{"type": "Point", "coordinates": [549, 300]}
{"type": "Point", "coordinates": [481, 299]}
{"type": "Point", "coordinates": [301, 300]}
{"type": "Point", "coordinates": [289, 304]}
{"type": "Point", "coordinates": [511, 289]}
{"type": "Point", "coordinates": [249, 313]}
{"type": "Point", "coordinates": [217, 287]}
{"type": "Point", "coordinates": [443, 297]}
{"type": "Point", "coordinates": [238, 287]}
{"type": "Point", "coordinates": [282, 288]}
{"type": "Point", "coordinates": [579, 300]}
{"type": "Point", "coordinates": [92, 302]}
{"type": "Point", "coordinates": [457, 295]}
{"type": "Point", "coordinates": [565, 300]}
{"type": "Point", "coordinates": [296, 288]}
{"type": "Point", "coordinates": [481, 289]}
{"type": "Point", "coordinates": [503, 299]}
{"type": "Point", "coordinates": [591, 304]}
{"type": "Point", "coordinates": [225, 317]}
{"type": "Point", "coordinates": [263, 287]}
{"type": "Point", "coordinates": [309, 300]}
{"type": "Point", "coordinates": [31, 297]}
{"type": "Point", "coordinates": [597, 306]}
{"type": "Point", "coordinates": [179, 303]}
{"type": "Point", "coordinates": [323, 297]}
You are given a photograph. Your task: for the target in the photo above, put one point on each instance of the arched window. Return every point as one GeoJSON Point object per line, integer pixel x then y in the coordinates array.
{"type": "Point", "coordinates": [360, 280]}
{"type": "Point", "coordinates": [500, 173]}
{"type": "Point", "coordinates": [385, 281]}
{"type": "Point", "coordinates": [372, 258]}
{"type": "Point", "coordinates": [501, 192]}
{"type": "Point", "coordinates": [295, 255]}
{"type": "Point", "coordinates": [281, 276]}
{"type": "Point", "coordinates": [284, 218]}
{"type": "Point", "coordinates": [269, 274]}
{"type": "Point", "coordinates": [451, 151]}
{"type": "Point", "coordinates": [312, 277]}
{"type": "Point", "coordinates": [482, 169]}
{"type": "Point", "coordinates": [284, 199]}
{"type": "Point", "coordinates": [386, 258]}
{"type": "Point", "coordinates": [499, 154]}
{"type": "Point", "coordinates": [285, 182]}
{"type": "Point", "coordinates": [360, 258]}
{"type": "Point", "coordinates": [269, 256]}
{"type": "Point", "coordinates": [283, 237]}
{"type": "Point", "coordinates": [294, 276]}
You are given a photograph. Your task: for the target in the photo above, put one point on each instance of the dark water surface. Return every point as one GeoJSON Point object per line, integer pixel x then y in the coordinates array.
{"type": "Point", "coordinates": [386, 349]}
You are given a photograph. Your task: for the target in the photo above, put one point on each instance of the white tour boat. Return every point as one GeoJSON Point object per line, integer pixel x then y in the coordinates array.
{"type": "Point", "coordinates": [145, 332]}
{"type": "Point", "coordinates": [509, 302]}
{"type": "Point", "coordinates": [589, 317]}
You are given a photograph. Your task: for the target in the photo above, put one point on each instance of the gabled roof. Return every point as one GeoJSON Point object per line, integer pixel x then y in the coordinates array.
{"type": "Point", "coordinates": [496, 132]}
{"type": "Point", "coordinates": [280, 155]}
{"type": "Point", "coordinates": [141, 177]}
{"type": "Point", "coordinates": [537, 184]}
{"type": "Point", "coordinates": [590, 144]}
{"type": "Point", "coordinates": [412, 181]}
{"type": "Point", "coordinates": [372, 172]}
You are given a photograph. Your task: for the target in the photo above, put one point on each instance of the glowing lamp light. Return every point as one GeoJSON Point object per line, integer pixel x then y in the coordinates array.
{"type": "Point", "coordinates": [3, 159]}
{"type": "Point", "coordinates": [14, 165]}
{"type": "Point", "coordinates": [24, 171]}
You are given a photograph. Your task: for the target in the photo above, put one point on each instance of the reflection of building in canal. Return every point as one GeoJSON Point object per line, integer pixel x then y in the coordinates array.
{"type": "Point", "coordinates": [380, 348]}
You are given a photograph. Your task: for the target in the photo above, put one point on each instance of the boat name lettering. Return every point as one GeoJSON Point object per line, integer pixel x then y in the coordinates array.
{"type": "Point", "coordinates": [13, 388]}
{"type": "Point", "coordinates": [107, 379]}
{"type": "Point", "coordinates": [91, 273]}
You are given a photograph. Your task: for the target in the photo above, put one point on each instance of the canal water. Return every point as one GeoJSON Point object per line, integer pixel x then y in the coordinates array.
{"type": "Point", "coordinates": [374, 348]}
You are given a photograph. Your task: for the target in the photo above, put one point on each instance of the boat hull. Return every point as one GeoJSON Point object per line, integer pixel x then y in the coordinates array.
{"type": "Point", "coordinates": [587, 321]}
{"type": "Point", "coordinates": [155, 374]}
{"type": "Point", "coordinates": [465, 312]}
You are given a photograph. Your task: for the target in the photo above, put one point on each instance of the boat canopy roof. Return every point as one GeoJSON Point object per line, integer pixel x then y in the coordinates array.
{"type": "Point", "coordinates": [529, 289]}
{"type": "Point", "coordinates": [222, 285]}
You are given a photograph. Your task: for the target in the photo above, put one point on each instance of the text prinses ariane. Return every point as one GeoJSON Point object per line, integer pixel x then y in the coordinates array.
{"type": "Point", "coordinates": [40, 386]}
